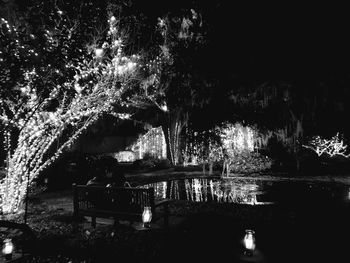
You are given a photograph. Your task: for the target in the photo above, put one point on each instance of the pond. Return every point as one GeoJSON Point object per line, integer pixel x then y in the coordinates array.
{"type": "Point", "coordinates": [249, 191]}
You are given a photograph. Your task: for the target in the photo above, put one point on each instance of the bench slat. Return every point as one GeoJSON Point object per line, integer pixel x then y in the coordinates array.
{"type": "Point", "coordinates": [118, 202]}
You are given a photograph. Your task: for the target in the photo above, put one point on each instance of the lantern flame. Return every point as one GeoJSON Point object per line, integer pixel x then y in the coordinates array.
{"type": "Point", "coordinates": [8, 247]}
{"type": "Point", "coordinates": [249, 241]}
{"type": "Point", "coordinates": [146, 216]}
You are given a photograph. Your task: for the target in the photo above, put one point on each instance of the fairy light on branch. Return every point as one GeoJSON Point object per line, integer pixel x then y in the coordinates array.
{"type": "Point", "coordinates": [99, 83]}
{"type": "Point", "coordinates": [153, 142]}
{"type": "Point", "coordinates": [331, 147]}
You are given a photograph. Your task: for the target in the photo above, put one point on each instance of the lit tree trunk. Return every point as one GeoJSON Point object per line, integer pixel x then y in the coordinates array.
{"type": "Point", "coordinates": [175, 121]}
{"type": "Point", "coordinates": [79, 103]}
{"type": "Point", "coordinates": [32, 154]}
{"type": "Point", "coordinates": [33, 151]}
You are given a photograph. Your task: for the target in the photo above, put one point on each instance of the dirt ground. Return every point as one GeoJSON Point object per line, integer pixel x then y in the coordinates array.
{"type": "Point", "coordinates": [197, 232]}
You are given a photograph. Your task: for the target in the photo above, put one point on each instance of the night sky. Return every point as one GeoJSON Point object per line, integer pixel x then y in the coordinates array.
{"type": "Point", "coordinates": [273, 42]}
{"type": "Point", "coordinates": [288, 45]}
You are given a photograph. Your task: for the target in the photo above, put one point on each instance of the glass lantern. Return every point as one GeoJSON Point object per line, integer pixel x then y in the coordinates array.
{"type": "Point", "coordinates": [147, 216]}
{"type": "Point", "coordinates": [8, 248]}
{"type": "Point", "coordinates": [249, 242]}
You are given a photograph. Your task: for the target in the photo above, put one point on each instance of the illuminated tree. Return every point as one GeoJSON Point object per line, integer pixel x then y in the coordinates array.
{"type": "Point", "coordinates": [203, 148]}
{"type": "Point", "coordinates": [175, 74]}
{"type": "Point", "coordinates": [332, 147]}
{"type": "Point", "coordinates": [48, 107]}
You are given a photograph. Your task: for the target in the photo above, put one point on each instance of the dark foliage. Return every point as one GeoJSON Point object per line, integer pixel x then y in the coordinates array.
{"type": "Point", "coordinates": [149, 162]}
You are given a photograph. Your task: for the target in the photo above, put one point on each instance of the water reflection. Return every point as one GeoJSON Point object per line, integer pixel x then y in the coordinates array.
{"type": "Point", "coordinates": [210, 190]}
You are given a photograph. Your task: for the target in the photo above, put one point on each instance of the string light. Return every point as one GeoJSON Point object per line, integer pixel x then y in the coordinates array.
{"type": "Point", "coordinates": [97, 86]}
{"type": "Point", "coordinates": [153, 142]}
{"type": "Point", "coordinates": [235, 141]}
{"type": "Point", "coordinates": [332, 147]}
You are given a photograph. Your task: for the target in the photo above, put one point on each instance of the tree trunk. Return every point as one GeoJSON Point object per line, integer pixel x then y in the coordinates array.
{"type": "Point", "coordinates": [211, 167]}
{"type": "Point", "coordinates": [172, 126]}
{"type": "Point", "coordinates": [32, 154]}
{"type": "Point", "coordinates": [297, 137]}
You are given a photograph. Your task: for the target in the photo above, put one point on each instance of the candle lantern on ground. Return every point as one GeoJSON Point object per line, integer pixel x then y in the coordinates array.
{"type": "Point", "coordinates": [147, 216]}
{"type": "Point", "coordinates": [249, 242]}
{"type": "Point", "coordinates": [7, 249]}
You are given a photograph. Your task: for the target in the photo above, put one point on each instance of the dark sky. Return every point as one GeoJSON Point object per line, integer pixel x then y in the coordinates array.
{"type": "Point", "coordinates": [283, 42]}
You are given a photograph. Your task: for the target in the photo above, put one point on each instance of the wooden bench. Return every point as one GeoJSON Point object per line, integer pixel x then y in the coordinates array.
{"type": "Point", "coordinates": [120, 203]}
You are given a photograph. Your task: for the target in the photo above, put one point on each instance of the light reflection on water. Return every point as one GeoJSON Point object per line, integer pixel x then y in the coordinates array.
{"type": "Point", "coordinates": [209, 190]}
{"type": "Point", "coordinates": [250, 191]}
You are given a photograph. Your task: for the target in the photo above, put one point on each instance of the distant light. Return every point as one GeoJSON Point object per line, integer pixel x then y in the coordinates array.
{"type": "Point", "coordinates": [131, 65]}
{"type": "Point", "coordinates": [98, 52]}
{"type": "Point", "coordinates": [125, 156]}
{"type": "Point", "coordinates": [123, 116]}
{"type": "Point", "coordinates": [161, 22]}
{"type": "Point", "coordinates": [113, 19]}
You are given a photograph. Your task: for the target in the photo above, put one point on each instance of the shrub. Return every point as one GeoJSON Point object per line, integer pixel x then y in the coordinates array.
{"type": "Point", "coordinates": [162, 164]}
{"type": "Point", "coordinates": [249, 163]}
